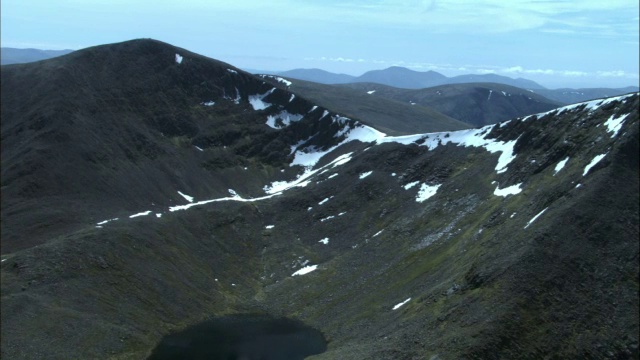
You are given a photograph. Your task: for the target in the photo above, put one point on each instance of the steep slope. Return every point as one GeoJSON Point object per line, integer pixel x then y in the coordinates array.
{"type": "Point", "coordinates": [18, 56]}
{"type": "Point", "coordinates": [516, 240]}
{"type": "Point", "coordinates": [475, 104]}
{"type": "Point", "coordinates": [388, 115]}
{"type": "Point", "coordinates": [139, 121]}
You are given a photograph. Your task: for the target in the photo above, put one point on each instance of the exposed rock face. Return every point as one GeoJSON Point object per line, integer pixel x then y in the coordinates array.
{"type": "Point", "coordinates": [132, 207]}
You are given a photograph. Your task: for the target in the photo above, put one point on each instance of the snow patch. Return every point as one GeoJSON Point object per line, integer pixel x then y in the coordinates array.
{"type": "Point", "coordinates": [144, 213]}
{"type": "Point", "coordinates": [293, 96]}
{"type": "Point", "coordinates": [371, 92]}
{"type": "Point", "coordinates": [269, 227]}
{"type": "Point", "coordinates": [106, 221]}
{"type": "Point", "coordinates": [593, 163]}
{"type": "Point", "coordinates": [591, 106]}
{"type": "Point", "coordinates": [199, 149]}
{"type": "Point", "coordinates": [365, 174]}
{"type": "Point", "coordinates": [305, 270]}
{"type": "Point", "coordinates": [614, 124]}
{"type": "Point", "coordinates": [426, 191]}
{"type": "Point", "coordinates": [285, 119]}
{"type": "Point", "coordinates": [208, 103]}
{"type": "Point", "coordinates": [232, 71]}
{"type": "Point", "coordinates": [158, 215]}
{"type": "Point", "coordinates": [303, 179]}
{"type": "Point", "coordinates": [560, 166]}
{"type": "Point", "coordinates": [256, 100]}
{"type": "Point", "coordinates": [470, 137]}
{"type": "Point", "coordinates": [398, 306]}
{"type": "Point", "coordinates": [324, 241]}
{"type": "Point", "coordinates": [284, 81]}
{"type": "Point", "coordinates": [509, 190]}
{"type": "Point", "coordinates": [236, 100]}
{"type": "Point", "coordinates": [234, 198]}
{"type": "Point", "coordinates": [187, 197]}
{"type": "Point", "coordinates": [409, 185]}
{"type": "Point", "coordinates": [178, 59]}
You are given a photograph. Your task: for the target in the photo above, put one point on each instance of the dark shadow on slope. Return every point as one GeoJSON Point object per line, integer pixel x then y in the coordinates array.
{"type": "Point", "coordinates": [248, 337]}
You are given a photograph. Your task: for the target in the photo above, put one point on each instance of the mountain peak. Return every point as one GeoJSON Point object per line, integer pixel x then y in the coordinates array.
{"type": "Point", "coordinates": [402, 77]}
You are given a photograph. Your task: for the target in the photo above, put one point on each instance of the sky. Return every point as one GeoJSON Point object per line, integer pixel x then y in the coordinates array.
{"type": "Point", "coordinates": [557, 43]}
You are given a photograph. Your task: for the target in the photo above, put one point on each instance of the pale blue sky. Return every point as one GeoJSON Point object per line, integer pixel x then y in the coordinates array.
{"type": "Point", "coordinates": [558, 43]}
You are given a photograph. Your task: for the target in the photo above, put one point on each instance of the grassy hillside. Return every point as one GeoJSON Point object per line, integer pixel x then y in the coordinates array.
{"type": "Point", "coordinates": [390, 116]}
{"type": "Point", "coordinates": [476, 104]}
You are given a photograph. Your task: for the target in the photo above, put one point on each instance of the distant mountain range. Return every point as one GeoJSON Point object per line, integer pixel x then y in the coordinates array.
{"type": "Point", "coordinates": [400, 77]}
{"type": "Point", "coordinates": [410, 79]}
{"type": "Point", "coordinates": [18, 56]}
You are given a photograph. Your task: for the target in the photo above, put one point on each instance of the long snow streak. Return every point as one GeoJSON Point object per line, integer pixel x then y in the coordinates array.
{"type": "Point", "coordinates": [305, 270]}
{"type": "Point", "coordinates": [593, 163]}
{"type": "Point", "coordinates": [398, 306]}
{"type": "Point", "coordinates": [534, 218]}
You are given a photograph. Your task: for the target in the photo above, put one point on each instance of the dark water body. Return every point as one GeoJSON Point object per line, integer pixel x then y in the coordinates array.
{"type": "Point", "coordinates": [242, 337]}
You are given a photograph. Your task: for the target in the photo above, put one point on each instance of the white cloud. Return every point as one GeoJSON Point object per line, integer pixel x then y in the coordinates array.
{"type": "Point", "coordinates": [617, 73]}
{"type": "Point", "coordinates": [514, 69]}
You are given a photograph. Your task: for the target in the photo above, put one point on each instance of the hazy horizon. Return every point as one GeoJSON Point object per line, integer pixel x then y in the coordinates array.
{"type": "Point", "coordinates": [557, 44]}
